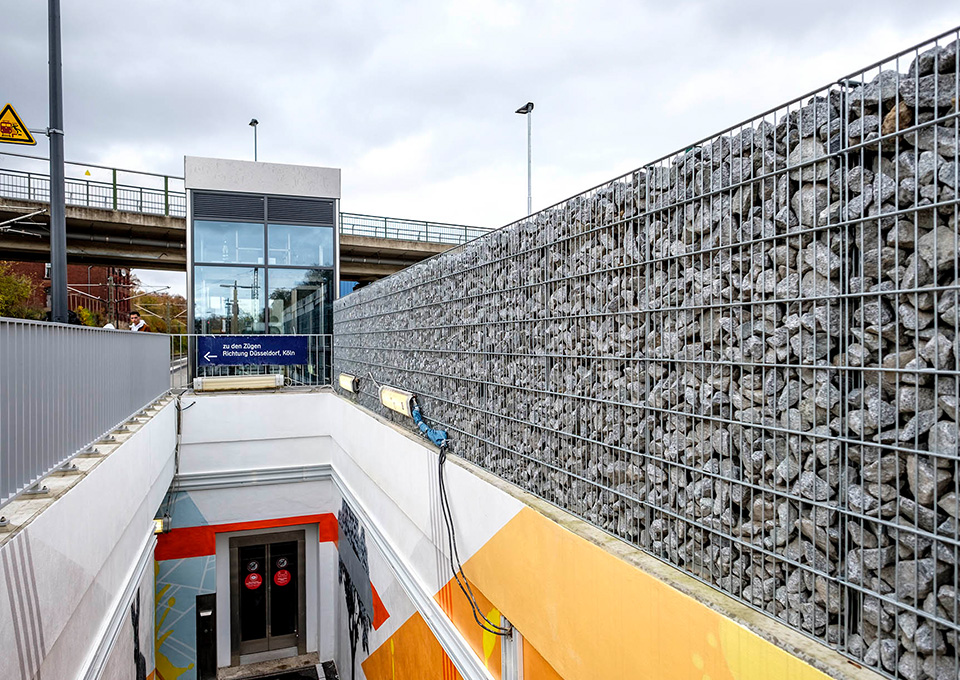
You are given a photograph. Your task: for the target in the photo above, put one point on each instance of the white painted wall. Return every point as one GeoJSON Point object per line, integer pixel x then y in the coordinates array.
{"type": "Point", "coordinates": [393, 476]}
{"type": "Point", "coordinates": [233, 432]}
{"type": "Point", "coordinates": [220, 174]}
{"type": "Point", "coordinates": [77, 564]}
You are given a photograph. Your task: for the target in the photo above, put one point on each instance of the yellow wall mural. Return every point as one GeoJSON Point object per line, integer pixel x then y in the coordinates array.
{"type": "Point", "coordinates": [584, 614]}
{"type": "Point", "coordinates": [592, 615]}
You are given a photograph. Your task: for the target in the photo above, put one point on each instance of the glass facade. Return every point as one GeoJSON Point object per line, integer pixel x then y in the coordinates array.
{"type": "Point", "coordinates": [295, 245]}
{"type": "Point", "coordinates": [300, 301]}
{"type": "Point", "coordinates": [228, 299]}
{"type": "Point", "coordinates": [252, 275]}
{"type": "Point", "coordinates": [233, 242]}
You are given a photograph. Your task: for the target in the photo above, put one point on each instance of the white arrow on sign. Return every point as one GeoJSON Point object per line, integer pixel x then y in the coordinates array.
{"type": "Point", "coordinates": [209, 356]}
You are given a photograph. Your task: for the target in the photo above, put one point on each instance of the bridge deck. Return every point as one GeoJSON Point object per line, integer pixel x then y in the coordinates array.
{"type": "Point", "coordinates": [138, 225]}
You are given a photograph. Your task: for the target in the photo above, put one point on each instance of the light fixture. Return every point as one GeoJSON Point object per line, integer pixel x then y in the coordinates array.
{"type": "Point", "coordinates": [254, 123]}
{"type": "Point", "coordinates": [350, 383]}
{"type": "Point", "coordinates": [238, 382]}
{"type": "Point", "coordinates": [397, 400]}
{"type": "Point", "coordinates": [161, 525]}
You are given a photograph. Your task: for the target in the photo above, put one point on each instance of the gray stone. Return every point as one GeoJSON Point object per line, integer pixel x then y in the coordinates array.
{"type": "Point", "coordinates": [809, 201]}
{"type": "Point", "coordinates": [943, 439]}
{"type": "Point", "coordinates": [949, 175]}
{"type": "Point", "coordinates": [804, 154]}
{"type": "Point", "coordinates": [883, 469]}
{"type": "Point", "coordinates": [938, 352]}
{"type": "Point", "coordinates": [950, 504]}
{"type": "Point", "coordinates": [910, 667]}
{"type": "Point", "coordinates": [928, 165]}
{"type": "Point", "coordinates": [919, 424]}
{"type": "Point", "coordinates": [931, 90]}
{"type": "Point", "coordinates": [926, 481]}
{"type": "Point", "coordinates": [938, 248]}
{"type": "Point", "coordinates": [936, 138]}
{"type": "Point", "coordinates": [882, 88]}
{"type": "Point", "coordinates": [915, 578]}
{"type": "Point", "coordinates": [929, 641]}
{"type": "Point", "coordinates": [940, 667]}
{"type": "Point", "coordinates": [814, 487]}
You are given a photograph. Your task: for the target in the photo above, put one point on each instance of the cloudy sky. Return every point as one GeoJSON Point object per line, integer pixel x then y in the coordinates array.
{"type": "Point", "coordinates": [415, 100]}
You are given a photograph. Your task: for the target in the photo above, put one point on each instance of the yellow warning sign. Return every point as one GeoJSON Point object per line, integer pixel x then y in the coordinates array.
{"type": "Point", "coordinates": [12, 129]}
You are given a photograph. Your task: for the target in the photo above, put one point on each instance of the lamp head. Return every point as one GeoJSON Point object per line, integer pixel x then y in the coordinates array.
{"type": "Point", "coordinates": [254, 122]}
{"type": "Point", "coordinates": [526, 108]}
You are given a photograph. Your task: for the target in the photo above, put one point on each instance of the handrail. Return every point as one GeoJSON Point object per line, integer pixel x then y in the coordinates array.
{"type": "Point", "coordinates": [92, 165]}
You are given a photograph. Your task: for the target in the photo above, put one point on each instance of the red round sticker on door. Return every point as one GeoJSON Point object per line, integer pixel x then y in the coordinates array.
{"type": "Point", "coordinates": [282, 577]}
{"type": "Point", "coordinates": [253, 581]}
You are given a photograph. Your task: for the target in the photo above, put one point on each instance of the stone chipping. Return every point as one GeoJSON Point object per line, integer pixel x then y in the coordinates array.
{"type": "Point", "coordinates": [742, 358]}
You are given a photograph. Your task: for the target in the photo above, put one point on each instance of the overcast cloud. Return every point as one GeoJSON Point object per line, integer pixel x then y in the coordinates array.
{"type": "Point", "coordinates": [414, 100]}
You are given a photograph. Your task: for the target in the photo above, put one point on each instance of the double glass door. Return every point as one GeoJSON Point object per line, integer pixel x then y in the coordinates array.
{"type": "Point", "coordinates": [267, 593]}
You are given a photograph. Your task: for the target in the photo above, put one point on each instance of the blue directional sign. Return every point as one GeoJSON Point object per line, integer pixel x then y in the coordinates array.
{"type": "Point", "coordinates": [242, 350]}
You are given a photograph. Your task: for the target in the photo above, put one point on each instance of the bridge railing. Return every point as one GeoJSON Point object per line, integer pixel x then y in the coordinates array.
{"type": "Point", "coordinates": [153, 194]}
{"type": "Point", "coordinates": [30, 186]}
{"type": "Point", "coordinates": [64, 387]}
{"type": "Point", "coordinates": [407, 230]}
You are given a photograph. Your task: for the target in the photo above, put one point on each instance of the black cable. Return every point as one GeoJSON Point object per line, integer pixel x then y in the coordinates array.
{"type": "Point", "coordinates": [457, 567]}
{"type": "Point", "coordinates": [175, 485]}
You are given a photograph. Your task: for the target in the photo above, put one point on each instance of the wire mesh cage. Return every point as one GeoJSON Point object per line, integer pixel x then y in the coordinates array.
{"type": "Point", "coordinates": [741, 358]}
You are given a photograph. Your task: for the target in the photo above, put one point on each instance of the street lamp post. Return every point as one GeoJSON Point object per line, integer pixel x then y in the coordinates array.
{"type": "Point", "coordinates": [527, 110]}
{"type": "Point", "coordinates": [58, 227]}
{"type": "Point", "coordinates": [254, 123]}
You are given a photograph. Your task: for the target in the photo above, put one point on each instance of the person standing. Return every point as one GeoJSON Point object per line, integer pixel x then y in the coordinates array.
{"type": "Point", "coordinates": [137, 324]}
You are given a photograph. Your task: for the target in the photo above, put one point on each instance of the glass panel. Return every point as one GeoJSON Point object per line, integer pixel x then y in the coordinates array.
{"type": "Point", "coordinates": [283, 586]}
{"type": "Point", "coordinates": [233, 242]}
{"type": "Point", "coordinates": [304, 246]}
{"type": "Point", "coordinates": [228, 299]}
{"type": "Point", "coordinates": [253, 592]}
{"type": "Point", "coordinates": [301, 301]}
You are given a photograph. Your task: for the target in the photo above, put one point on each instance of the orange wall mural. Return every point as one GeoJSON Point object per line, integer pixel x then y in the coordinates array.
{"type": "Point", "coordinates": [411, 652]}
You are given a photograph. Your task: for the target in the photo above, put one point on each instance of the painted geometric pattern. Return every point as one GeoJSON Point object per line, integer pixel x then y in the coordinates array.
{"type": "Point", "coordinates": [178, 584]}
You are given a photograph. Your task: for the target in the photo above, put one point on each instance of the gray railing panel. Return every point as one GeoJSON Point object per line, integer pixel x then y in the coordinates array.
{"type": "Point", "coordinates": [63, 387]}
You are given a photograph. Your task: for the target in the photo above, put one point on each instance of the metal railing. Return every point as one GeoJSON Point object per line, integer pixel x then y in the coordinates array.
{"type": "Point", "coordinates": [123, 190]}
{"type": "Point", "coordinates": [315, 372]}
{"type": "Point", "coordinates": [152, 194]}
{"type": "Point", "coordinates": [742, 358]}
{"type": "Point", "coordinates": [64, 387]}
{"type": "Point", "coordinates": [407, 230]}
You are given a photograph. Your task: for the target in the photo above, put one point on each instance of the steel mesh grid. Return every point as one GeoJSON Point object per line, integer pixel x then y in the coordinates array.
{"type": "Point", "coordinates": [741, 358]}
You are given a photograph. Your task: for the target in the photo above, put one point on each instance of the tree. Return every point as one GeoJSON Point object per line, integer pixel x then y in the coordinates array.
{"type": "Point", "coordinates": [359, 622]}
{"type": "Point", "coordinates": [164, 313]}
{"type": "Point", "coordinates": [15, 292]}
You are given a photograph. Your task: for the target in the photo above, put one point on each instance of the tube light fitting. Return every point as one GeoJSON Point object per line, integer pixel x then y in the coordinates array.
{"type": "Point", "coordinates": [238, 382]}
{"type": "Point", "coordinates": [350, 383]}
{"type": "Point", "coordinates": [397, 400]}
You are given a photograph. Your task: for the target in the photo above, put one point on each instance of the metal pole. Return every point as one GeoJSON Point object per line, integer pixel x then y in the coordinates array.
{"type": "Point", "coordinates": [529, 175]}
{"type": "Point", "coordinates": [254, 143]}
{"type": "Point", "coordinates": [58, 224]}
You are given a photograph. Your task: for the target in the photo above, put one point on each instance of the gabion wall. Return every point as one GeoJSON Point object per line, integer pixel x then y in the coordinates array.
{"type": "Point", "coordinates": [741, 358]}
